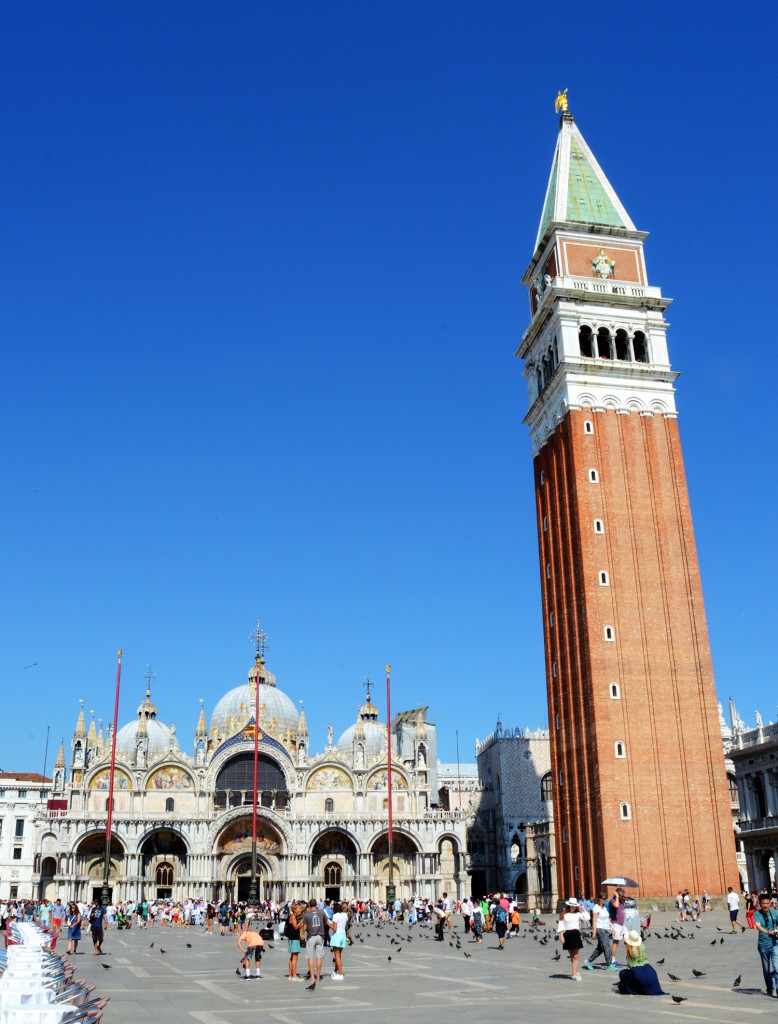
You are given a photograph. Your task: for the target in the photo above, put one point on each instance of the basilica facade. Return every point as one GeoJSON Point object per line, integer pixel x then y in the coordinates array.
{"type": "Point", "coordinates": [182, 823]}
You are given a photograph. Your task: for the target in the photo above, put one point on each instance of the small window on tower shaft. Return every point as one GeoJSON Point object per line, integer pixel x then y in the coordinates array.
{"type": "Point", "coordinates": [553, 669]}
{"type": "Point", "coordinates": [575, 872]}
{"type": "Point", "coordinates": [545, 523]}
{"type": "Point", "coordinates": [593, 477]}
{"type": "Point", "coordinates": [548, 570]}
{"type": "Point", "coordinates": [609, 633]}
{"type": "Point", "coordinates": [599, 526]}
{"type": "Point", "coordinates": [604, 581]}
{"type": "Point", "coordinates": [551, 618]}
{"type": "Point", "coordinates": [542, 478]}
{"type": "Point", "coordinates": [620, 751]}
{"type": "Point", "coordinates": [615, 693]}
{"type": "Point", "coordinates": [626, 813]}
{"type": "Point", "coordinates": [588, 427]}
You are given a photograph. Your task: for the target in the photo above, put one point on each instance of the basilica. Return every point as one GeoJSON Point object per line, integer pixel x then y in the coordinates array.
{"type": "Point", "coordinates": [182, 822]}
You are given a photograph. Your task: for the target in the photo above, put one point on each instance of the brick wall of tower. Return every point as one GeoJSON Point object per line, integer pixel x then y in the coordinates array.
{"type": "Point", "coordinates": [672, 776]}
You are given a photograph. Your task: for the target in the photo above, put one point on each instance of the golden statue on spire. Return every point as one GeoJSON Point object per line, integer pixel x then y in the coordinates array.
{"type": "Point", "coordinates": [561, 102]}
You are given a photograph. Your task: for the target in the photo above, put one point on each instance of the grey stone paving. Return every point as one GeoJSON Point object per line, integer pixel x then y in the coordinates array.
{"type": "Point", "coordinates": [424, 981]}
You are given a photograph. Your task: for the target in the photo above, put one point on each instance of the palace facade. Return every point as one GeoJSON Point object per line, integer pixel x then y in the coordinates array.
{"type": "Point", "coordinates": [182, 823]}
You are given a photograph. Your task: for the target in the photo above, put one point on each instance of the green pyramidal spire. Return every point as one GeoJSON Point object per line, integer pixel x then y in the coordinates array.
{"type": "Point", "coordinates": [578, 191]}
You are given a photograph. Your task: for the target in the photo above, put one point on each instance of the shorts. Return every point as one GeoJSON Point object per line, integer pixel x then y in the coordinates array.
{"type": "Point", "coordinates": [293, 946]}
{"type": "Point", "coordinates": [255, 951]}
{"type": "Point", "coordinates": [339, 940]}
{"type": "Point", "coordinates": [573, 940]}
{"type": "Point", "coordinates": [733, 915]}
{"type": "Point", "coordinates": [617, 931]}
{"type": "Point", "coordinates": [314, 947]}
{"type": "Point", "coordinates": [499, 927]}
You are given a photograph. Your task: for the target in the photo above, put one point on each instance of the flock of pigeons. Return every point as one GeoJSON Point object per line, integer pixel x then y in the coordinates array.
{"type": "Point", "coordinates": [539, 932]}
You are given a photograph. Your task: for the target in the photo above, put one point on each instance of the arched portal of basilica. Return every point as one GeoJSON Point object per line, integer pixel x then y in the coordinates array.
{"type": "Point", "coordinates": [182, 823]}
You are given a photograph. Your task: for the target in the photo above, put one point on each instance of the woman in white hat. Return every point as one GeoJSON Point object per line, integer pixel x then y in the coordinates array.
{"type": "Point", "coordinates": [572, 921]}
{"type": "Point", "coordinates": [639, 978]}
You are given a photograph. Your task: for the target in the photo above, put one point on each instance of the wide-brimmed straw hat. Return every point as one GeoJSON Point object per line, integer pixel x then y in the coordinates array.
{"type": "Point", "coordinates": [572, 902]}
{"type": "Point", "coordinates": [633, 939]}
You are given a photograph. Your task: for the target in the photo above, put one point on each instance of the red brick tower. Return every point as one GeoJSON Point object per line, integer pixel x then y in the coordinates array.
{"type": "Point", "coordinates": [638, 767]}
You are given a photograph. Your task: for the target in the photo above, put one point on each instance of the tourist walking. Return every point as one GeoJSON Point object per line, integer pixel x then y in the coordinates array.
{"type": "Point", "coordinates": [571, 923]}
{"type": "Point", "coordinates": [733, 902]}
{"type": "Point", "coordinates": [74, 928]}
{"type": "Point", "coordinates": [339, 939]}
{"type": "Point", "coordinates": [766, 924]}
{"type": "Point", "coordinates": [96, 918]}
{"type": "Point", "coordinates": [292, 936]}
{"type": "Point", "coordinates": [601, 930]}
{"type": "Point", "coordinates": [313, 919]}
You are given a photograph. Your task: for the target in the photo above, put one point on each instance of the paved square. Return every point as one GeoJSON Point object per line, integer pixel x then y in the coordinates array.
{"type": "Point", "coordinates": [424, 980]}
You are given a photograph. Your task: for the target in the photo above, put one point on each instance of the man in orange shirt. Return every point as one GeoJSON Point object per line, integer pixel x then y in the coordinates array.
{"type": "Point", "coordinates": [250, 944]}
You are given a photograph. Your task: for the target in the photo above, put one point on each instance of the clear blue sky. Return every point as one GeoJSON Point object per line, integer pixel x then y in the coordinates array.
{"type": "Point", "coordinates": [259, 303]}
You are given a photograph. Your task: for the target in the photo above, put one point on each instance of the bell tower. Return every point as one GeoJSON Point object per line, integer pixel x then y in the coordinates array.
{"type": "Point", "coordinates": [639, 783]}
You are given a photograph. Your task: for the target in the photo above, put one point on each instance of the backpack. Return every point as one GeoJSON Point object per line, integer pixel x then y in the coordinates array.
{"type": "Point", "coordinates": [502, 917]}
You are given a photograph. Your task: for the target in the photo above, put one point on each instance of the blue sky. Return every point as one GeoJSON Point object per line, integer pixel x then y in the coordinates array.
{"type": "Point", "coordinates": [259, 303]}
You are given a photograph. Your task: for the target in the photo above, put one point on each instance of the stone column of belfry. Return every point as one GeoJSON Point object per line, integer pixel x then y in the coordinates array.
{"type": "Point", "coordinates": [638, 768]}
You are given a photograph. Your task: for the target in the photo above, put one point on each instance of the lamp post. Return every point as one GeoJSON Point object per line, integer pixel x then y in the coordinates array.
{"type": "Point", "coordinates": [105, 895]}
{"type": "Point", "coordinates": [390, 892]}
{"type": "Point", "coordinates": [260, 645]}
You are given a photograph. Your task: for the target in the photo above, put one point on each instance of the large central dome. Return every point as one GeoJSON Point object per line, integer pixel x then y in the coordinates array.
{"type": "Point", "coordinates": [237, 706]}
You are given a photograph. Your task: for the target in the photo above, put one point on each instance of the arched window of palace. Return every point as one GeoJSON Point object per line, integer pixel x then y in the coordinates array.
{"type": "Point", "coordinates": [546, 791]}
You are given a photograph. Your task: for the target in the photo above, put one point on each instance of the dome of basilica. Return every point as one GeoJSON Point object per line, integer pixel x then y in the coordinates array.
{"type": "Point", "coordinates": [366, 730]}
{"type": "Point", "coordinates": [157, 733]}
{"type": "Point", "coordinates": [236, 707]}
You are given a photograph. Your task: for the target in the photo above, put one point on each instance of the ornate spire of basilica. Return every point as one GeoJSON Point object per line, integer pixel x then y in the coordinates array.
{"type": "Point", "coordinates": [202, 728]}
{"type": "Point", "coordinates": [302, 724]}
{"type": "Point", "coordinates": [80, 732]}
{"type": "Point", "coordinates": [60, 762]}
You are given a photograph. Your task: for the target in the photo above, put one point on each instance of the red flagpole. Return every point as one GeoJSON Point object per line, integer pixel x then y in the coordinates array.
{"type": "Point", "coordinates": [253, 889]}
{"type": "Point", "coordinates": [390, 886]}
{"type": "Point", "coordinates": [105, 896]}
{"type": "Point", "coordinates": [256, 774]}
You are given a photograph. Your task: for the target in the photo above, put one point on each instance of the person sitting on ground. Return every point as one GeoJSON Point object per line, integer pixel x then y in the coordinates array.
{"type": "Point", "coordinates": [639, 978]}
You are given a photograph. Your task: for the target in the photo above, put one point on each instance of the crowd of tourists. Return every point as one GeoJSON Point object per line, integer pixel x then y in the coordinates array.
{"type": "Point", "coordinates": [310, 927]}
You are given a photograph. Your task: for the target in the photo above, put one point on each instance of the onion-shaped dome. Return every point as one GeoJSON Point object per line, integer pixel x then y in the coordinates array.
{"type": "Point", "coordinates": [236, 707]}
{"type": "Point", "coordinates": [367, 730]}
{"type": "Point", "coordinates": [156, 733]}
